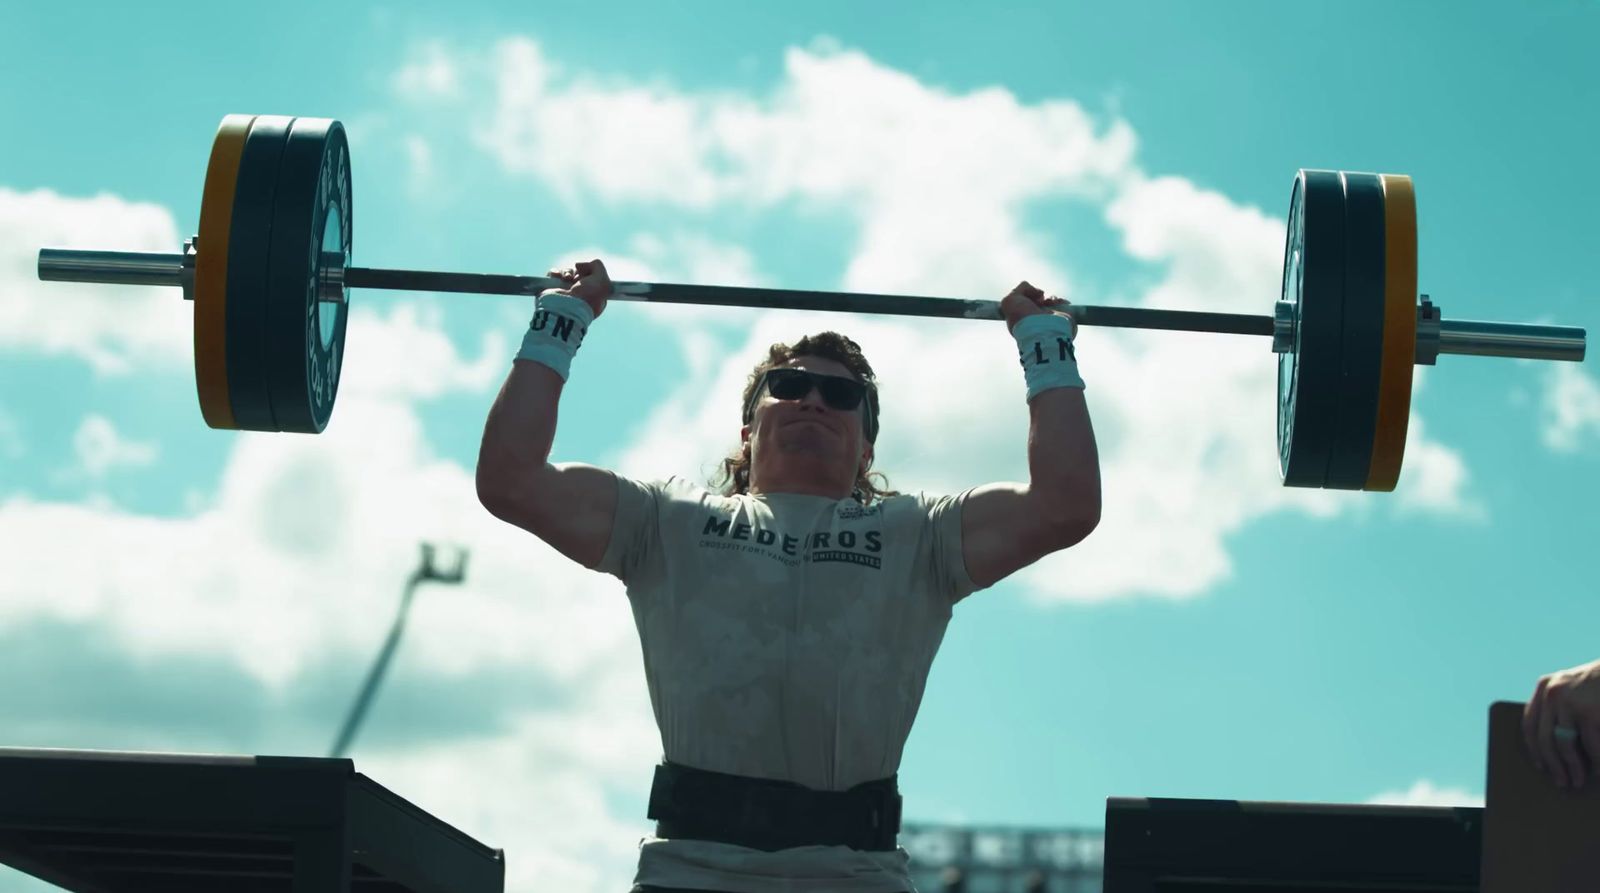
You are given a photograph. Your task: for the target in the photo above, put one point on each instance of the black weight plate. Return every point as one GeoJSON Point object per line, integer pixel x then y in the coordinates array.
{"type": "Point", "coordinates": [1308, 374]}
{"type": "Point", "coordinates": [311, 230]}
{"type": "Point", "coordinates": [1364, 303]}
{"type": "Point", "coordinates": [249, 239]}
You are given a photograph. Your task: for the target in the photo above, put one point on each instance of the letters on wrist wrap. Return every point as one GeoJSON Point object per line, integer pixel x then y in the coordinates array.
{"type": "Point", "coordinates": [558, 326]}
{"type": "Point", "coordinates": [1044, 346]}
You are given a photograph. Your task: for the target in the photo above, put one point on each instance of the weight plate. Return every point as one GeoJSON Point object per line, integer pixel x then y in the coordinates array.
{"type": "Point", "coordinates": [1399, 332]}
{"type": "Point", "coordinates": [1364, 306]}
{"type": "Point", "coordinates": [310, 233]}
{"type": "Point", "coordinates": [249, 244]}
{"type": "Point", "coordinates": [1313, 284]}
{"type": "Point", "coordinates": [211, 272]}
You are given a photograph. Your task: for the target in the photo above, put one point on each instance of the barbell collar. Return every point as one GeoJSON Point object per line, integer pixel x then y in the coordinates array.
{"type": "Point", "coordinates": [1465, 337]}
{"type": "Point", "coordinates": [186, 276]}
{"type": "Point", "coordinates": [1283, 313]}
{"type": "Point", "coordinates": [1430, 331]}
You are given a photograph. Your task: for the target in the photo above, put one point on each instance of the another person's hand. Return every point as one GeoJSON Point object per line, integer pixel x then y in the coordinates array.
{"type": "Point", "coordinates": [588, 281]}
{"type": "Point", "coordinates": [1561, 724]}
{"type": "Point", "coordinates": [1026, 300]}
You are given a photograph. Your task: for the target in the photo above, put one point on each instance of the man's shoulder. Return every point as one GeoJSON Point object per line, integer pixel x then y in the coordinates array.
{"type": "Point", "coordinates": [920, 502]}
{"type": "Point", "coordinates": [672, 488]}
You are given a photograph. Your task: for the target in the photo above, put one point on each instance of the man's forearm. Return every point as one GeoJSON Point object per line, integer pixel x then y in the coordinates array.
{"type": "Point", "coordinates": [1063, 461]}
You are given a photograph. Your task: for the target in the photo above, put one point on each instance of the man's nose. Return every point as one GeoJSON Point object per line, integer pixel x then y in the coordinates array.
{"type": "Point", "coordinates": [813, 398]}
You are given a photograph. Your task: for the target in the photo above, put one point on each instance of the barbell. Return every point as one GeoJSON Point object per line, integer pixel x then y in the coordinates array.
{"type": "Point", "coordinates": [269, 273]}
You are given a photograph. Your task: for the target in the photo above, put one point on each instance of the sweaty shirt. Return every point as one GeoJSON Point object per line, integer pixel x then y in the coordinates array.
{"type": "Point", "coordinates": [787, 637]}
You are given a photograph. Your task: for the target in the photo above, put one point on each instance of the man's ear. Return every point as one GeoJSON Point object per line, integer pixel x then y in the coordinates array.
{"type": "Point", "coordinates": [866, 458]}
{"type": "Point", "coordinates": [744, 434]}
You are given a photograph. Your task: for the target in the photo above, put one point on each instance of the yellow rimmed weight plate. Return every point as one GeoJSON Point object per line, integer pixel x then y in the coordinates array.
{"type": "Point", "coordinates": [211, 272]}
{"type": "Point", "coordinates": [1399, 332]}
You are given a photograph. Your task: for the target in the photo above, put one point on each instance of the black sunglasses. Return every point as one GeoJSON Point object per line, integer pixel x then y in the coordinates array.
{"type": "Point", "coordinates": [843, 394]}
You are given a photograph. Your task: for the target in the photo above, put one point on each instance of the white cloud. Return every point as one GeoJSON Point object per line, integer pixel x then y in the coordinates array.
{"type": "Point", "coordinates": [1570, 408]}
{"type": "Point", "coordinates": [935, 179]}
{"type": "Point", "coordinates": [433, 74]}
{"type": "Point", "coordinates": [840, 125]}
{"type": "Point", "coordinates": [1434, 480]}
{"type": "Point", "coordinates": [113, 328]}
{"type": "Point", "coordinates": [406, 355]}
{"type": "Point", "coordinates": [1426, 793]}
{"type": "Point", "coordinates": [1219, 256]}
{"type": "Point", "coordinates": [101, 449]}
{"type": "Point", "coordinates": [307, 539]}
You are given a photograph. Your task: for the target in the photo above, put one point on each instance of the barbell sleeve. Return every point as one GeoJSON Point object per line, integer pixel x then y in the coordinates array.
{"type": "Point", "coordinates": [1518, 340]}
{"type": "Point", "coordinates": [110, 267]}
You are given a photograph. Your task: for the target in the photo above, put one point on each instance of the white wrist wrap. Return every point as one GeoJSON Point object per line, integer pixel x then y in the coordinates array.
{"type": "Point", "coordinates": [558, 326]}
{"type": "Point", "coordinates": [1044, 345]}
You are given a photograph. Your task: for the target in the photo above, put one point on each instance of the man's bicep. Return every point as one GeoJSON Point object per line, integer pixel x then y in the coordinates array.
{"type": "Point", "coordinates": [1002, 532]}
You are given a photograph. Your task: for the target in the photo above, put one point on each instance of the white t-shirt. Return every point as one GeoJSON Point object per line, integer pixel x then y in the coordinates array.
{"type": "Point", "coordinates": [787, 637]}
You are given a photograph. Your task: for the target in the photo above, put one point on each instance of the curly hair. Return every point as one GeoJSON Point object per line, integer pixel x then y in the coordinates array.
{"type": "Point", "coordinates": [870, 485]}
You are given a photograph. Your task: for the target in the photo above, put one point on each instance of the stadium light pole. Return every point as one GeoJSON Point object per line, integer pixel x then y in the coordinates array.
{"type": "Point", "coordinates": [427, 571]}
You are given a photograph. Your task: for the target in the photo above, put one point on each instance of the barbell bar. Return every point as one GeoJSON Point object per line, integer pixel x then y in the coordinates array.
{"type": "Point", "coordinates": [270, 274]}
{"type": "Point", "coordinates": [1466, 337]}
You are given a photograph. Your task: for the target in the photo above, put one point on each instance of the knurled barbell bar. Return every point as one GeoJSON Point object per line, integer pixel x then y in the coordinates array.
{"type": "Point", "coordinates": [269, 274]}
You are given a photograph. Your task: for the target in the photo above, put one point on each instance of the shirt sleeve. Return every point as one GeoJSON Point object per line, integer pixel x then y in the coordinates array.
{"type": "Point", "coordinates": [635, 531]}
{"type": "Point", "coordinates": [947, 565]}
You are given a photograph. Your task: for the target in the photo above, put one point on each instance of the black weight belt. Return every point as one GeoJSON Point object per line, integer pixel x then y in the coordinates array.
{"type": "Point", "coordinates": [770, 815]}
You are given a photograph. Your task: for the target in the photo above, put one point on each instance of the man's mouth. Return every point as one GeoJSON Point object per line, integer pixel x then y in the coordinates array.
{"type": "Point", "coordinates": [803, 421]}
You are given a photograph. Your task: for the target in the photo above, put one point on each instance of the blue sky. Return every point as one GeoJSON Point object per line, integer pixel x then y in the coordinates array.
{"type": "Point", "coordinates": [170, 587]}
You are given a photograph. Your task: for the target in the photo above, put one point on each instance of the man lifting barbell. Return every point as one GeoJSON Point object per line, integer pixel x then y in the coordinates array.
{"type": "Point", "coordinates": [739, 665]}
{"type": "Point", "coordinates": [788, 624]}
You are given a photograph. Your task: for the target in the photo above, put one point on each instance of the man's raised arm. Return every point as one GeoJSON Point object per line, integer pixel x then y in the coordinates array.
{"type": "Point", "coordinates": [1006, 527]}
{"type": "Point", "coordinates": [570, 506]}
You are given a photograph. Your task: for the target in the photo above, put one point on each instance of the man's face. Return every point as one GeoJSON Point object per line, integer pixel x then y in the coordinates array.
{"type": "Point", "coordinates": [807, 430]}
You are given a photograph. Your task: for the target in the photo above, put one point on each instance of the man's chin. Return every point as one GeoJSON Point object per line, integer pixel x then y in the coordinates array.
{"type": "Point", "coordinates": [810, 443]}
